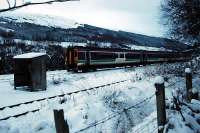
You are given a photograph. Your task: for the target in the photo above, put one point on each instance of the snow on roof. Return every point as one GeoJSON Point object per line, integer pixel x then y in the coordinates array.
{"type": "Point", "coordinates": [28, 55]}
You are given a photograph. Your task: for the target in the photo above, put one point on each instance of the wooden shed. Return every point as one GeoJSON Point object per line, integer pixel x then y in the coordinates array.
{"type": "Point", "coordinates": [30, 71]}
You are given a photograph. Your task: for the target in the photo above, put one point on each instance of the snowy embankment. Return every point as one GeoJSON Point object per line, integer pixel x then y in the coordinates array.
{"type": "Point", "coordinates": [124, 103]}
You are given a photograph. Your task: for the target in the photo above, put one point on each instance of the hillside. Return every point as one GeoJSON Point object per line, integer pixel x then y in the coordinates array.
{"type": "Point", "coordinates": [46, 28]}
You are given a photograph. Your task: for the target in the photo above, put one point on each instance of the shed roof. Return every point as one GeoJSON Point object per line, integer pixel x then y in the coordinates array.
{"type": "Point", "coordinates": [29, 55]}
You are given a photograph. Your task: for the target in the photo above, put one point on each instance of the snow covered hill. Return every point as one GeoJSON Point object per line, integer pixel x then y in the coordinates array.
{"type": "Point", "coordinates": [51, 28]}
{"type": "Point", "coordinates": [43, 20]}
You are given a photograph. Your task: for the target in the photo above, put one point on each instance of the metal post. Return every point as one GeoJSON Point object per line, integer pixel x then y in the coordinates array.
{"type": "Point", "coordinates": [60, 124]}
{"type": "Point", "coordinates": [188, 76]}
{"type": "Point", "coordinates": [160, 103]}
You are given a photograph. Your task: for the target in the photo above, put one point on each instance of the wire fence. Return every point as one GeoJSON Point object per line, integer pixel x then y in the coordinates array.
{"type": "Point", "coordinates": [111, 116]}
{"type": "Point", "coordinates": [52, 97]}
{"type": "Point", "coordinates": [149, 127]}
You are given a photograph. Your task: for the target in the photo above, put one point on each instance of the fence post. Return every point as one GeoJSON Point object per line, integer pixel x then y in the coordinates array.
{"type": "Point", "coordinates": [160, 103]}
{"type": "Point", "coordinates": [60, 124]}
{"type": "Point", "coordinates": [188, 76]}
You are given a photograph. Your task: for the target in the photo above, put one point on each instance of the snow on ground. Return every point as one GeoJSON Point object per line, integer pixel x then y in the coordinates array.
{"type": "Point", "coordinates": [83, 109]}
{"type": "Point", "coordinates": [29, 55]}
{"type": "Point", "coordinates": [189, 122]}
{"type": "Point", "coordinates": [44, 20]}
{"type": "Point", "coordinates": [79, 113]}
{"type": "Point", "coordinates": [136, 47]}
{"type": "Point", "coordinates": [63, 44]}
{"type": "Point", "coordinates": [6, 30]}
{"type": "Point", "coordinates": [67, 82]}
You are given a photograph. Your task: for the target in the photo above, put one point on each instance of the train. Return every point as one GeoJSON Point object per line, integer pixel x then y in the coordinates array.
{"type": "Point", "coordinates": [83, 59]}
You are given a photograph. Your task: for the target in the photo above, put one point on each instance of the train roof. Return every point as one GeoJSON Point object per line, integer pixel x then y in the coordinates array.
{"type": "Point", "coordinates": [117, 49]}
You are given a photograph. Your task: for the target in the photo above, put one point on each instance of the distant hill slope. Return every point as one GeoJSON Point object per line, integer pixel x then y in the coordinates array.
{"type": "Point", "coordinates": [46, 28]}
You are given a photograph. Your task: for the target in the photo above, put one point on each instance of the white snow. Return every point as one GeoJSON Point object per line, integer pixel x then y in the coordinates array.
{"type": "Point", "coordinates": [159, 80]}
{"type": "Point", "coordinates": [67, 44]}
{"type": "Point", "coordinates": [63, 44]}
{"type": "Point", "coordinates": [6, 29]}
{"type": "Point", "coordinates": [82, 109]}
{"type": "Point", "coordinates": [176, 123]}
{"type": "Point", "coordinates": [188, 70]}
{"type": "Point", "coordinates": [29, 55]}
{"type": "Point", "coordinates": [44, 20]}
{"type": "Point", "coordinates": [146, 48]}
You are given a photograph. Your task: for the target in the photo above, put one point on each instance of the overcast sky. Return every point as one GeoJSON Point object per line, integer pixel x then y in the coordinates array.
{"type": "Point", "coordinates": [139, 16]}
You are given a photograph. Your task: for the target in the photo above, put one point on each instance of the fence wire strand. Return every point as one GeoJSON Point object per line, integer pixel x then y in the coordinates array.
{"type": "Point", "coordinates": [52, 97]}
{"type": "Point", "coordinates": [111, 116]}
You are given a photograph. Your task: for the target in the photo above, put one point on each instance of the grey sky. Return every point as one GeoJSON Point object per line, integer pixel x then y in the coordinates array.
{"type": "Point", "coordinates": [139, 16]}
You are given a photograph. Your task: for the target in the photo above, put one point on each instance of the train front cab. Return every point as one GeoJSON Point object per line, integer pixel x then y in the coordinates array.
{"type": "Point", "coordinates": [71, 59]}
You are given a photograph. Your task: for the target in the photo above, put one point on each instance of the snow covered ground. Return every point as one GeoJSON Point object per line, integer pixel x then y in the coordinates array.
{"type": "Point", "coordinates": [85, 108]}
{"type": "Point", "coordinates": [136, 47]}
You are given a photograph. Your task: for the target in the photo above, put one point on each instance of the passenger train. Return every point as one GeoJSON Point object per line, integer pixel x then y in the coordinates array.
{"type": "Point", "coordinates": [83, 59]}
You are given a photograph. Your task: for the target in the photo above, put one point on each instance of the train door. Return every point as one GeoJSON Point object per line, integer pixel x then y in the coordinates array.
{"type": "Point", "coordinates": [71, 57]}
{"type": "Point", "coordinates": [143, 58]}
{"type": "Point", "coordinates": [121, 58]}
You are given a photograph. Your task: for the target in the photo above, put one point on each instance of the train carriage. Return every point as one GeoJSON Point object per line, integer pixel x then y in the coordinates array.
{"type": "Point", "coordinates": [91, 58]}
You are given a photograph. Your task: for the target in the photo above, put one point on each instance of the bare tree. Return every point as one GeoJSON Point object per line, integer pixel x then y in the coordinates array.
{"type": "Point", "coordinates": [183, 19]}
{"type": "Point", "coordinates": [15, 6]}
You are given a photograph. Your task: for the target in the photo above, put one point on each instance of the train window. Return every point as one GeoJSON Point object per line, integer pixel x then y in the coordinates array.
{"type": "Point", "coordinates": [133, 56]}
{"type": "Point", "coordinates": [81, 55]}
{"type": "Point", "coordinates": [153, 55]}
{"type": "Point", "coordinates": [103, 55]}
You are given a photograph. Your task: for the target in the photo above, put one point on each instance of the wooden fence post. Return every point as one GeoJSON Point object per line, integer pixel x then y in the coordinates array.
{"type": "Point", "coordinates": [188, 76]}
{"type": "Point", "coordinates": [60, 124]}
{"type": "Point", "coordinates": [160, 103]}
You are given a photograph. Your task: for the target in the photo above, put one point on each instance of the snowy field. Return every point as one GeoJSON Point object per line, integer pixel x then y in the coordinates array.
{"type": "Point", "coordinates": [83, 109]}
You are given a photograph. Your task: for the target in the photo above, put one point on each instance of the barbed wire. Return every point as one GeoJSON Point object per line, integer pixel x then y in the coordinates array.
{"type": "Point", "coordinates": [109, 117]}
{"type": "Point", "coordinates": [21, 114]}
{"type": "Point", "coordinates": [61, 95]}
{"type": "Point", "coordinates": [141, 128]}
{"type": "Point", "coordinates": [174, 83]}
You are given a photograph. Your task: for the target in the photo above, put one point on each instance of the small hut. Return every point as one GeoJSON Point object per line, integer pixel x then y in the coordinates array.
{"type": "Point", "coordinates": [30, 71]}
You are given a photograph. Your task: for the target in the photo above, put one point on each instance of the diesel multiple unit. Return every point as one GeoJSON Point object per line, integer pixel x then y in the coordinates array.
{"type": "Point", "coordinates": [88, 58]}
